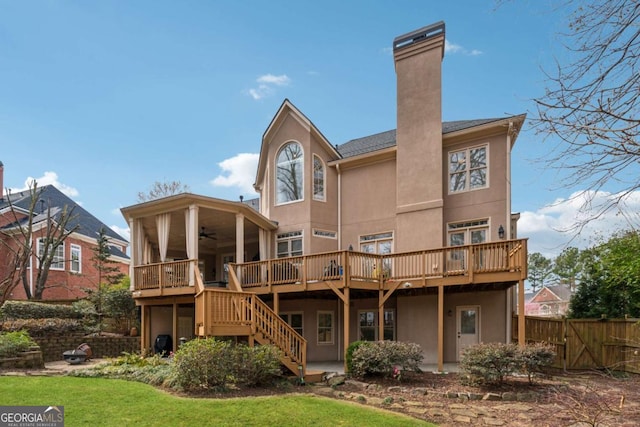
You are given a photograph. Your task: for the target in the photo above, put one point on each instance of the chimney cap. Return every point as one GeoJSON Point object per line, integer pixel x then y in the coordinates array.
{"type": "Point", "coordinates": [419, 35]}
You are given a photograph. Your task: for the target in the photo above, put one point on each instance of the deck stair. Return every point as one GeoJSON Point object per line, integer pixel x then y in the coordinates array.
{"type": "Point", "coordinates": [232, 313]}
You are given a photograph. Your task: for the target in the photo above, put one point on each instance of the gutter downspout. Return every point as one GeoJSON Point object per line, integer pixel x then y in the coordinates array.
{"type": "Point", "coordinates": [339, 206]}
{"type": "Point", "coordinates": [510, 293]}
{"type": "Point", "coordinates": [338, 347]}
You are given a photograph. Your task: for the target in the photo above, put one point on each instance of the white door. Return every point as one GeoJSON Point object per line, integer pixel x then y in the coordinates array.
{"type": "Point", "coordinates": [467, 327]}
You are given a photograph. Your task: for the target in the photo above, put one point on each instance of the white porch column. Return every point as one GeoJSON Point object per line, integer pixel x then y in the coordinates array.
{"type": "Point", "coordinates": [191, 239]}
{"type": "Point", "coordinates": [262, 244]}
{"type": "Point", "coordinates": [239, 238]}
{"type": "Point", "coordinates": [136, 254]}
{"type": "Point", "coordinates": [239, 243]}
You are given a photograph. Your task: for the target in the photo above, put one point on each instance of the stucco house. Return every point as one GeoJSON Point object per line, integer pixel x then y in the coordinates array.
{"type": "Point", "coordinates": [73, 269]}
{"type": "Point", "coordinates": [405, 235]}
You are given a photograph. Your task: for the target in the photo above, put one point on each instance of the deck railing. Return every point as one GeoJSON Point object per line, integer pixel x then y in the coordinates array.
{"type": "Point", "coordinates": [224, 310]}
{"type": "Point", "coordinates": [495, 257]}
{"type": "Point", "coordinates": [350, 266]}
{"type": "Point", "coordinates": [174, 274]}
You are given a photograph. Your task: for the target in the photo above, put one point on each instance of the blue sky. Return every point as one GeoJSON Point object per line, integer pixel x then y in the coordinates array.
{"type": "Point", "coordinates": [103, 98]}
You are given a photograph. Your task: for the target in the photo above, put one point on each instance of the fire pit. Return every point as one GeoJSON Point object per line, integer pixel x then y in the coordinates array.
{"type": "Point", "coordinates": [79, 355]}
{"type": "Point", "coordinates": [74, 357]}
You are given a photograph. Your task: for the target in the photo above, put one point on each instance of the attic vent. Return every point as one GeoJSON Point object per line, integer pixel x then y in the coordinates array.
{"type": "Point", "coordinates": [417, 36]}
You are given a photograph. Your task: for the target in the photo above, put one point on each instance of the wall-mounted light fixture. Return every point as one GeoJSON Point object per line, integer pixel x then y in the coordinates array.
{"type": "Point", "coordinates": [450, 313]}
{"type": "Point", "coordinates": [501, 232]}
{"type": "Point", "coordinates": [350, 248]}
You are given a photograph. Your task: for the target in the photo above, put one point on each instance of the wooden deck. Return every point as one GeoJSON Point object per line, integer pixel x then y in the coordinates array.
{"type": "Point", "coordinates": [496, 262]}
{"type": "Point", "coordinates": [238, 311]}
{"type": "Point", "coordinates": [483, 263]}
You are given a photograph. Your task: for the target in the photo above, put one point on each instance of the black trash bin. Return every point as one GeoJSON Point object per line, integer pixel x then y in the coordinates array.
{"type": "Point", "coordinates": [163, 345]}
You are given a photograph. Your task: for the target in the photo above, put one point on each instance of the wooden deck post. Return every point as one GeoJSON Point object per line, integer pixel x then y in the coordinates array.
{"type": "Point", "coordinates": [345, 304]}
{"type": "Point", "coordinates": [175, 327]}
{"type": "Point", "coordinates": [276, 303]}
{"type": "Point", "coordinates": [144, 329]}
{"type": "Point", "coordinates": [381, 315]}
{"type": "Point", "coordinates": [440, 328]}
{"type": "Point", "coordinates": [521, 335]}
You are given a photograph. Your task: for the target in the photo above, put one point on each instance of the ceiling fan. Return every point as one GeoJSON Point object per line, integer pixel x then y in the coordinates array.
{"type": "Point", "coordinates": [204, 235]}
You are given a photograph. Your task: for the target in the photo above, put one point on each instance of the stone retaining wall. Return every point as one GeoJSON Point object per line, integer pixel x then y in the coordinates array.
{"type": "Point", "coordinates": [53, 347]}
{"type": "Point", "coordinates": [31, 359]}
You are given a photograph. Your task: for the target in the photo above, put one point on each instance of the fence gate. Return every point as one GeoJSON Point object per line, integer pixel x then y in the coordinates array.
{"type": "Point", "coordinates": [587, 343]}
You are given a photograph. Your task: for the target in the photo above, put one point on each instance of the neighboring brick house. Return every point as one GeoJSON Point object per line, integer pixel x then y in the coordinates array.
{"type": "Point", "coordinates": [73, 268]}
{"type": "Point", "coordinates": [549, 301]}
{"type": "Point", "coordinates": [404, 235]}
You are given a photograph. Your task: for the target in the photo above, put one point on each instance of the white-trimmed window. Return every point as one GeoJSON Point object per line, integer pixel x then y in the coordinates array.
{"type": "Point", "coordinates": [289, 244]}
{"type": "Point", "coordinates": [294, 319]}
{"type": "Point", "coordinates": [76, 259]}
{"type": "Point", "coordinates": [468, 169]}
{"type": "Point", "coordinates": [381, 244]}
{"type": "Point", "coordinates": [318, 179]}
{"type": "Point", "coordinates": [325, 234]}
{"type": "Point", "coordinates": [325, 327]}
{"type": "Point", "coordinates": [289, 173]}
{"type": "Point", "coordinates": [57, 262]}
{"type": "Point", "coordinates": [368, 325]}
{"type": "Point", "coordinates": [468, 232]}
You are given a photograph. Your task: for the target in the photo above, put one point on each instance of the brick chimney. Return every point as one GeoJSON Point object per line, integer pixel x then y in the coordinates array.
{"type": "Point", "coordinates": [418, 61]}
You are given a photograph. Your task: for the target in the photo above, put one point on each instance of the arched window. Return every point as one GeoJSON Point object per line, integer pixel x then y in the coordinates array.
{"type": "Point", "coordinates": [318, 178]}
{"type": "Point", "coordinates": [289, 173]}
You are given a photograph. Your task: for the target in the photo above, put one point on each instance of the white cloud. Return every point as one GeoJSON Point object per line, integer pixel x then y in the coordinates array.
{"type": "Point", "coordinates": [267, 84]}
{"type": "Point", "coordinates": [453, 48]}
{"type": "Point", "coordinates": [238, 171]}
{"type": "Point", "coordinates": [552, 228]}
{"type": "Point", "coordinates": [282, 80]}
{"type": "Point", "coordinates": [49, 178]}
{"type": "Point", "coordinates": [124, 232]}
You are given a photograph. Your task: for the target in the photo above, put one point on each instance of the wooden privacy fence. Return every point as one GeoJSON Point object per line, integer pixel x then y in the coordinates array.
{"type": "Point", "coordinates": [587, 343]}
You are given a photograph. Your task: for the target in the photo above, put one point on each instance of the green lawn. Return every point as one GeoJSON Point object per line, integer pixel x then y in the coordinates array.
{"type": "Point", "coordinates": [106, 402]}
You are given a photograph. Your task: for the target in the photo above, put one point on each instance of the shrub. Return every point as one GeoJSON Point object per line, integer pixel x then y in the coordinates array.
{"type": "Point", "coordinates": [37, 310]}
{"type": "Point", "coordinates": [13, 343]}
{"type": "Point", "coordinates": [45, 327]}
{"type": "Point", "coordinates": [203, 364]}
{"type": "Point", "coordinates": [490, 362]}
{"type": "Point", "coordinates": [254, 366]}
{"type": "Point", "coordinates": [349, 354]}
{"type": "Point", "coordinates": [153, 370]}
{"type": "Point", "coordinates": [210, 364]}
{"type": "Point", "coordinates": [534, 357]}
{"type": "Point", "coordinates": [493, 362]}
{"type": "Point", "coordinates": [113, 302]}
{"type": "Point", "coordinates": [381, 357]}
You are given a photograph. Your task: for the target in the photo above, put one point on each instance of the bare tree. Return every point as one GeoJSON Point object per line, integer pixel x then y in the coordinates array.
{"type": "Point", "coordinates": [592, 104]}
{"type": "Point", "coordinates": [163, 189]}
{"type": "Point", "coordinates": [47, 229]}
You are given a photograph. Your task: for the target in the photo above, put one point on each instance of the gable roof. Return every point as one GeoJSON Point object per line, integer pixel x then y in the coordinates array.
{"type": "Point", "coordinates": [288, 109]}
{"type": "Point", "coordinates": [380, 141]}
{"type": "Point", "coordinates": [88, 225]}
{"type": "Point", "coordinates": [552, 293]}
